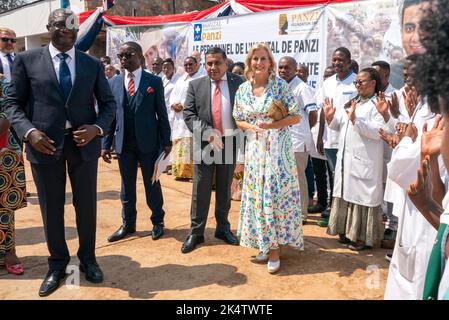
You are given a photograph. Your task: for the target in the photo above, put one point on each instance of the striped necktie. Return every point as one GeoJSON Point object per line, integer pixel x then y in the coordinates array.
{"type": "Point", "coordinates": [131, 85]}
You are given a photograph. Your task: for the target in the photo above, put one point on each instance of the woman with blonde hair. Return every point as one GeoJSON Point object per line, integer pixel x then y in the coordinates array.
{"type": "Point", "coordinates": [270, 213]}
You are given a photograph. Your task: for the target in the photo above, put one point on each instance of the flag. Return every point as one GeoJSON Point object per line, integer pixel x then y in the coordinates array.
{"type": "Point", "coordinates": [65, 4]}
{"type": "Point", "coordinates": [89, 30]}
{"type": "Point", "coordinates": [108, 4]}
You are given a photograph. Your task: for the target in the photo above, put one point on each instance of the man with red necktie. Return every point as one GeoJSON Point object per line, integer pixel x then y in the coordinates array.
{"type": "Point", "coordinates": [208, 111]}
{"type": "Point", "coordinates": [142, 132]}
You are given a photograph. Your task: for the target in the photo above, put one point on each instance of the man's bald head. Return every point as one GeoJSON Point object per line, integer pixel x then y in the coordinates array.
{"type": "Point", "coordinates": [291, 60]}
{"type": "Point", "coordinates": [286, 68]}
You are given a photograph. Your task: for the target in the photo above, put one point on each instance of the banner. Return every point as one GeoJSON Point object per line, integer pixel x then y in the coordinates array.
{"type": "Point", "coordinates": [372, 30]}
{"type": "Point", "coordinates": [169, 41]}
{"type": "Point", "coordinates": [294, 32]}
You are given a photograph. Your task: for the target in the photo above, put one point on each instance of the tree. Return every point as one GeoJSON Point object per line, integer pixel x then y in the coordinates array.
{"type": "Point", "coordinates": [6, 5]}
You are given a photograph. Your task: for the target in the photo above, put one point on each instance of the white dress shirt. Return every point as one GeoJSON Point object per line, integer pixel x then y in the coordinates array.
{"type": "Point", "coordinates": [301, 135]}
{"type": "Point", "coordinates": [5, 62]}
{"type": "Point", "coordinates": [137, 76]}
{"type": "Point", "coordinates": [70, 61]}
{"type": "Point", "coordinates": [341, 91]}
{"type": "Point", "coordinates": [226, 108]}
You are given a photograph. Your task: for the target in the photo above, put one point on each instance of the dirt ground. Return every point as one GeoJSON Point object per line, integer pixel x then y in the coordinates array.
{"type": "Point", "coordinates": [140, 268]}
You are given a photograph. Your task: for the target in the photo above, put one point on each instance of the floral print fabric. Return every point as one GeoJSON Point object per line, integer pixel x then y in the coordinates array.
{"type": "Point", "coordinates": [270, 212]}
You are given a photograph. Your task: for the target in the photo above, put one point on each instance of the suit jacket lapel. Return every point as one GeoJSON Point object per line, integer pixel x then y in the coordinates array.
{"type": "Point", "coordinates": [120, 90]}
{"type": "Point", "coordinates": [78, 71]}
{"type": "Point", "coordinates": [232, 89]}
{"type": "Point", "coordinates": [48, 65]}
{"type": "Point", "coordinates": [140, 93]}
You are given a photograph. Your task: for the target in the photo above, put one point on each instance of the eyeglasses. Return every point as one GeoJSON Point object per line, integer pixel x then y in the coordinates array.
{"type": "Point", "coordinates": [360, 82]}
{"type": "Point", "coordinates": [12, 40]}
{"type": "Point", "coordinates": [61, 26]}
{"type": "Point", "coordinates": [126, 55]}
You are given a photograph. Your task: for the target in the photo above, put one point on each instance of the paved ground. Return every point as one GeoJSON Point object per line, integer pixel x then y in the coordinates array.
{"type": "Point", "coordinates": [140, 268]}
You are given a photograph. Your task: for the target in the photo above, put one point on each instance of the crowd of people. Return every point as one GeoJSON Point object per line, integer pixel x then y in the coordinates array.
{"type": "Point", "coordinates": [376, 155]}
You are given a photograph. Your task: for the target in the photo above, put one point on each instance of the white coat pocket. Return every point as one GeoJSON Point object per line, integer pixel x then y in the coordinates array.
{"type": "Point", "coordinates": [361, 168]}
{"type": "Point", "coordinates": [406, 261]}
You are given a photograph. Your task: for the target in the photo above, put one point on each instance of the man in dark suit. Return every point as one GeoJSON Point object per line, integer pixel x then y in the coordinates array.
{"type": "Point", "coordinates": [142, 131]}
{"type": "Point", "coordinates": [208, 113]}
{"type": "Point", "coordinates": [51, 106]}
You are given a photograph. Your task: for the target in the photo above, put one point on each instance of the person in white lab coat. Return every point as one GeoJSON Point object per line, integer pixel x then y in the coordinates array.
{"type": "Point", "coordinates": [431, 183]}
{"type": "Point", "coordinates": [415, 234]}
{"type": "Point", "coordinates": [383, 68]}
{"type": "Point", "coordinates": [356, 214]}
{"type": "Point", "coordinates": [169, 81]}
{"type": "Point", "coordinates": [182, 165]}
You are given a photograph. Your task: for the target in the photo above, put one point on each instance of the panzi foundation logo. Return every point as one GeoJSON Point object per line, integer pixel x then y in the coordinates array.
{"type": "Point", "coordinates": [305, 22]}
{"type": "Point", "coordinates": [210, 31]}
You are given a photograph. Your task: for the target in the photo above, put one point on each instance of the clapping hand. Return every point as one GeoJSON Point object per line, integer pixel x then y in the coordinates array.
{"type": "Point", "coordinates": [406, 130]}
{"type": "Point", "coordinates": [351, 111]}
{"type": "Point", "coordinates": [391, 139]}
{"type": "Point", "coordinates": [393, 105]}
{"type": "Point", "coordinates": [420, 192]}
{"type": "Point", "coordinates": [411, 99]}
{"type": "Point", "coordinates": [431, 140]}
{"type": "Point", "coordinates": [411, 131]}
{"type": "Point", "coordinates": [382, 106]}
{"type": "Point", "coordinates": [329, 110]}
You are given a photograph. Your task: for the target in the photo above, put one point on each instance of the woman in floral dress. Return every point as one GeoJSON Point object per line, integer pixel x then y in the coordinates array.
{"type": "Point", "coordinates": [270, 212]}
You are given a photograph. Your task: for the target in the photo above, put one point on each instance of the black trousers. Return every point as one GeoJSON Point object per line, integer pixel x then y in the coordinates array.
{"type": "Point", "coordinates": [50, 180]}
{"type": "Point", "coordinates": [202, 189]}
{"type": "Point", "coordinates": [320, 172]}
{"type": "Point", "coordinates": [128, 162]}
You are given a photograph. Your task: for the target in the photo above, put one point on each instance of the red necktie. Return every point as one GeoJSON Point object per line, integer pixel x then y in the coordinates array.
{"type": "Point", "coordinates": [216, 108]}
{"type": "Point", "coordinates": [131, 86]}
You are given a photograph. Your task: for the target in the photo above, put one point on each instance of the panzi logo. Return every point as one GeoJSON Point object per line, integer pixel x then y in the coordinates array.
{"type": "Point", "coordinates": [306, 17]}
{"type": "Point", "coordinates": [207, 36]}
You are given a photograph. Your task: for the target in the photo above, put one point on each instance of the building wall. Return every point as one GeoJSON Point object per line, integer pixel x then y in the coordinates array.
{"type": "Point", "coordinates": [153, 7]}
{"type": "Point", "coordinates": [29, 22]}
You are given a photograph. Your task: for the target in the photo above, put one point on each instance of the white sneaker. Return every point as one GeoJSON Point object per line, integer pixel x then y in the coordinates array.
{"type": "Point", "coordinates": [261, 257]}
{"type": "Point", "coordinates": [273, 266]}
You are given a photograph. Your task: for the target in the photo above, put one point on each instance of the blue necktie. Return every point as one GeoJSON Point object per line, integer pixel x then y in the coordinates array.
{"type": "Point", "coordinates": [10, 61]}
{"type": "Point", "coordinates": [65, 79]}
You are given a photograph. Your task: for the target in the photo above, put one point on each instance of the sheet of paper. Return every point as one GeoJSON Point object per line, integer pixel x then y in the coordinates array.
{"type": "Point", "coordinates": [160, 166]}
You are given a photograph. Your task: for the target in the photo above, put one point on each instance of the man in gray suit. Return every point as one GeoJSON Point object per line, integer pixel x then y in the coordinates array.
{"type": "Point", "coordinates": [208, 113]}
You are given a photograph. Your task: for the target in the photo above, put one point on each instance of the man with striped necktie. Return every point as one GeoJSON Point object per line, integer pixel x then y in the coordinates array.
{"type": "Point", "coordinates": [142, 133]}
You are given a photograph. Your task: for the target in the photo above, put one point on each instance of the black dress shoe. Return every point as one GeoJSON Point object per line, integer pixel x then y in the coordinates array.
{"type": "Point", "coordinates": [158, 231]}
{"type": "Point", "coordinates": [191, 242]}
{"type": "Point", "coordinates": [52, 281]}
{"type": "Point", "coordinates": [122, 232]}
{"type": "Point", "coordinates": [93, 272]}
{"type": "Point", "coordinates": [227, 237]}
{"type": "Point", "coordinates": [316, 208]}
